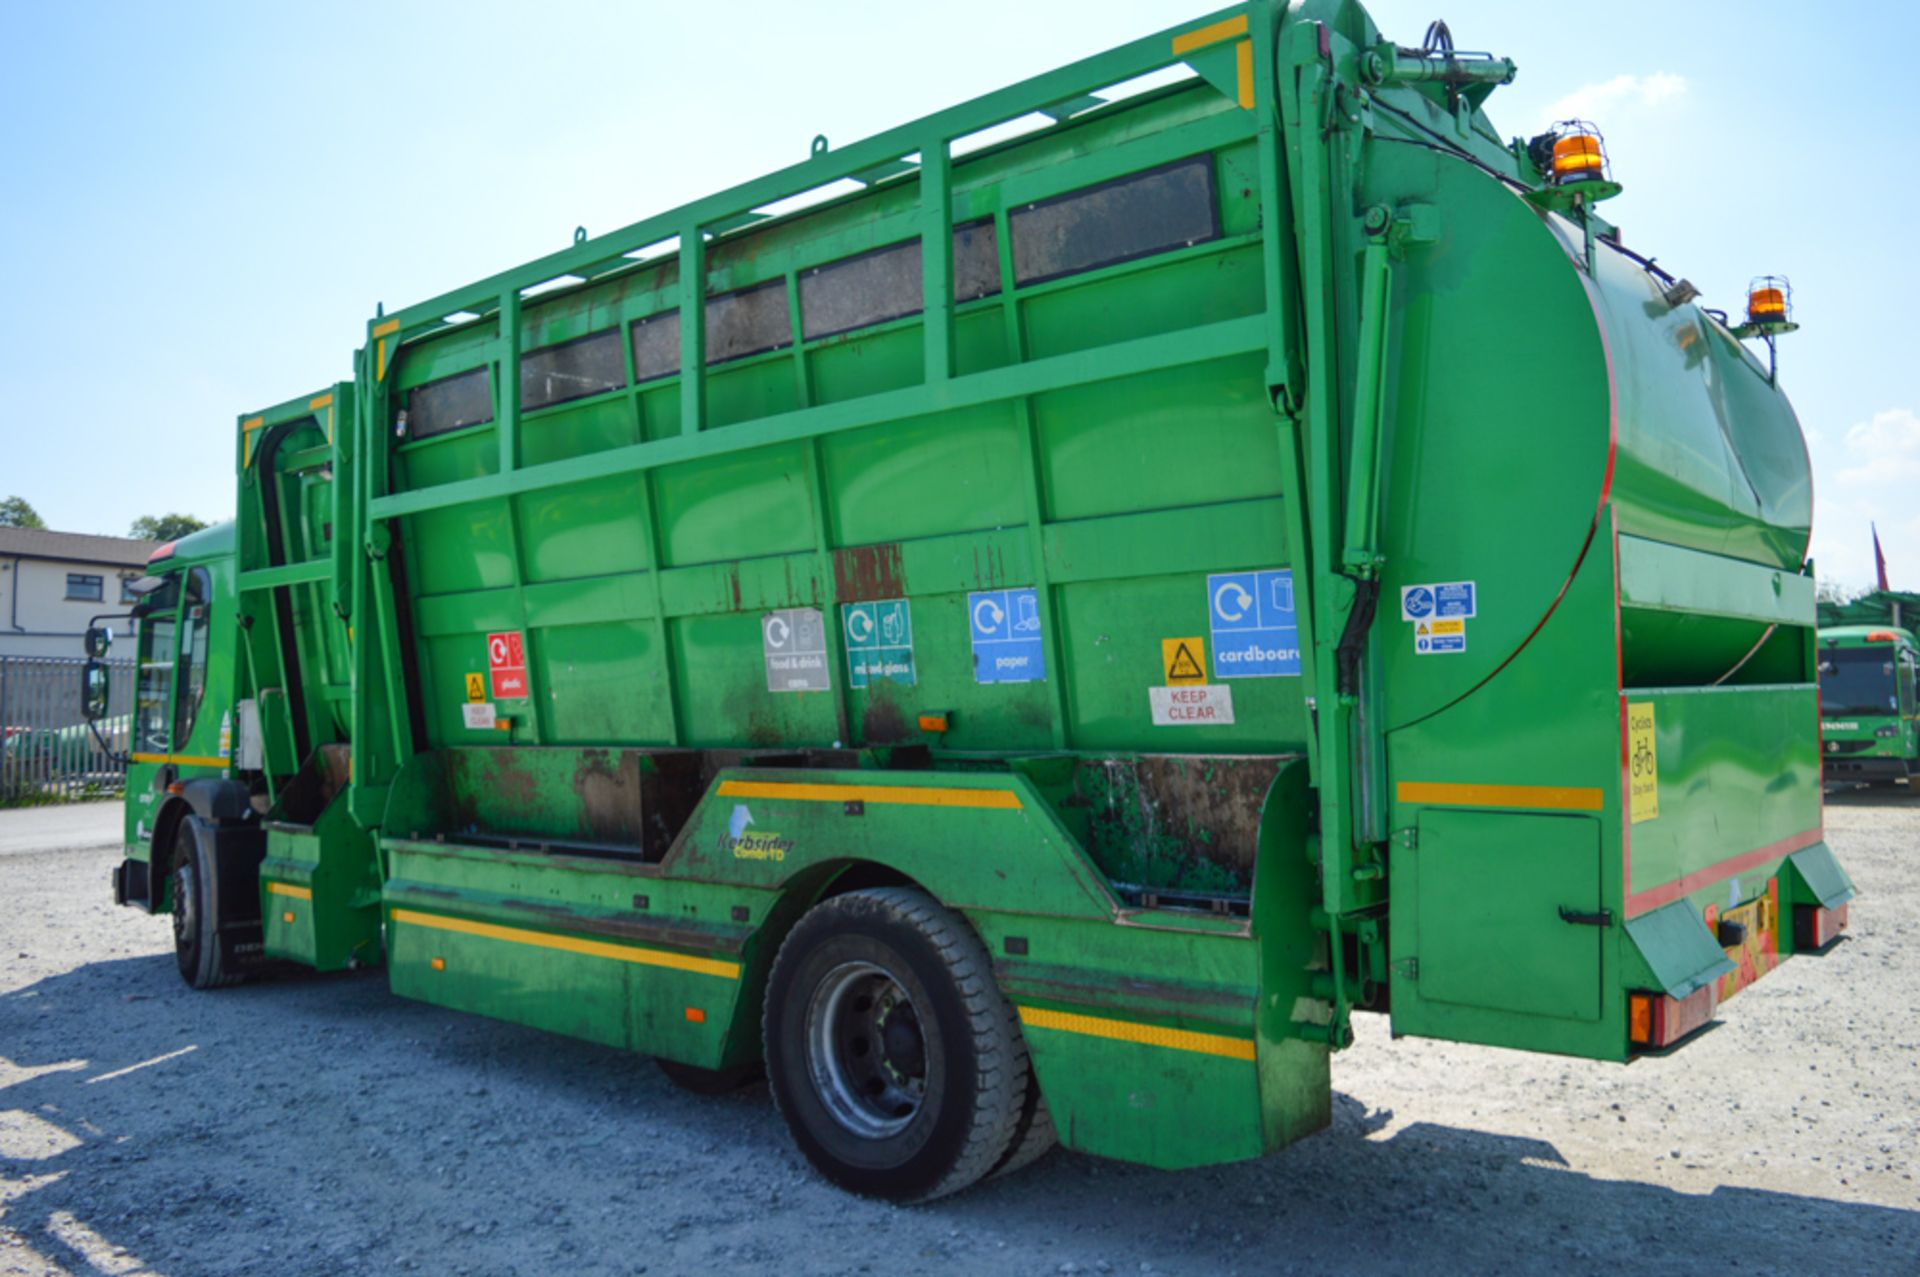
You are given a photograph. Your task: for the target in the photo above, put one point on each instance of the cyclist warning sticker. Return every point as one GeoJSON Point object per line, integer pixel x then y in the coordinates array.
{"type": "Point", "coordinates": [1185, 661]}
{"type": "Point", "coordinates": [1643, 764]}
{"type": "Point", "coordinates": [507, 665]}
{"type": "Point", "coordinates": [476, 689]}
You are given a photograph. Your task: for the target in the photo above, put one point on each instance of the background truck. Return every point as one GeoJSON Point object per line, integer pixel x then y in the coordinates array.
{"type": "Point", "coordinates": [1027, 647]}
{"type": "Point", "coordinates": [1868, 727]}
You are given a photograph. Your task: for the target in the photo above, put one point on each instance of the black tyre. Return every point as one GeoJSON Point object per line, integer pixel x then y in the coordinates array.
{"type": "Point", "coordinates": [891, 1053]}
{"type": "Point", "coordinates": [197, 947]}
{"type": "Point", "coordinates": [699, 1081]}
{"type": "Point", "coordinates": [1033, 1133]}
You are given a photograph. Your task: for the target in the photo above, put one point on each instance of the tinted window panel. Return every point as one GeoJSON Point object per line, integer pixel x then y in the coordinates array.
{"type": "Point", "coordinates": [887, 284]}
{"type": "Point", "coordinates": [88, 588]}
{"type": "Point", "coordinates": [869, 289]}
{"type": "Point", "coordinates": [1151, 212]}
{"type": "Point", "coordinates": [747, 323]}
{"type": "Point", "coordinates": [571, 370]}
{"type": "Point", "coordinates": [656, 346]}
{"type": "Point", "coordinates": [976, 261]}
{"type": "Point", "coordinates": [449, 404]}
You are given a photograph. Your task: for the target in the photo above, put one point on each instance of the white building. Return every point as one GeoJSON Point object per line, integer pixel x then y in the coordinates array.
{"type": "Point", "coordinates": [53, 583]}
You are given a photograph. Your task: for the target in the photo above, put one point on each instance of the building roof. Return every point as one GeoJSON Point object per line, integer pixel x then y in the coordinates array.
{"type": "Point", "coordinates": [74, 547]}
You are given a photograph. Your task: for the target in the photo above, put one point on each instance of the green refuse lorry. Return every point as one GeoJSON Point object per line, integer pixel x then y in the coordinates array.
{"type": "Point", "coordinates": [1024, 648]}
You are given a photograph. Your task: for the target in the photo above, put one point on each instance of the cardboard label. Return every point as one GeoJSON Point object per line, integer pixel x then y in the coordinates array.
{"type": "Point", "coordinates": [507, 666]}
{"type": "Point", "coordinates": [476, 688]}
{"type": "Point", "coordinates": [1206, 705]}
{"type": "Point", "coordinates": [1643, 764]}
{"type": "Point", "coordinates": [794, 642]}
{"type": "Point", "coordinates": [1185, 661]}
{"type": "Point", "coordinates": [1251, 619]}
{"type": "Point", "coordinates": [478, 717]}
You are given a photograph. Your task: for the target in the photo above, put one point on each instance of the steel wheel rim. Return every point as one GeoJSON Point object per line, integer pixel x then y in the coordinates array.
{"type": "Point", "coordinates": [183, 906]}
{"type": "Point", "coordinates": [866, 1050]}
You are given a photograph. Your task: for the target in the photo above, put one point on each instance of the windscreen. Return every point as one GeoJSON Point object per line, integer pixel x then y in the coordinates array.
{"type": "Point", "coordinates": [1857, 680]}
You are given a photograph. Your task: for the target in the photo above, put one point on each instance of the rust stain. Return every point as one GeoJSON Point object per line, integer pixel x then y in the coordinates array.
{"type": "Point", "coordinates": [864, 572]}
{"type": "Point", "coordinates": [884, 723]}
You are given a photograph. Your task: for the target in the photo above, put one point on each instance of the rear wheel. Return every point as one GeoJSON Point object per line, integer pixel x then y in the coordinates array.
{"type": "Point", "coordinates": [196, 922]}
{"type": "Point", "coordinates": [891, 1053]}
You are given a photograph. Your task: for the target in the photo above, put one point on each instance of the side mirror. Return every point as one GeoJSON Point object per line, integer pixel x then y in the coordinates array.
{"type": "Point", "coordinates": [95, 683]}
{"type": "Point", "coordinates": [99, 639]}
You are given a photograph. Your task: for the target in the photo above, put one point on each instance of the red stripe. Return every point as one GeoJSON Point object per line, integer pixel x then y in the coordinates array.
{"type": "Point", "coordinates": [1654, 897]}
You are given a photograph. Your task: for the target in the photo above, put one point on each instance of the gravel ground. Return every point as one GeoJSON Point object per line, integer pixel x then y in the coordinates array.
{"type": "Point", "coordinates": [323, 1126]}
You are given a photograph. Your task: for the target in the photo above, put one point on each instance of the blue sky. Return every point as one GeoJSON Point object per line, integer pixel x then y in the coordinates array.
{"type": "Point", "coordinates": [200, 204]}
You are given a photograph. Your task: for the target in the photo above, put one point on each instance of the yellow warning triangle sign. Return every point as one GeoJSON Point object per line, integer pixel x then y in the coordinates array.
{"type": "Point", "coordinates": [1420, 627]}
{"type": "Point", "coordinates": [1183, 665]}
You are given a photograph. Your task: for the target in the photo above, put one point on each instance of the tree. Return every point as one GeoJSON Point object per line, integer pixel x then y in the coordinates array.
{"type": "Point", "coordinates": [164, 527]}
{"type": "Point", "coordinates": [1828, 590]}
{"type": "Point", "coordinates": [16, 513]}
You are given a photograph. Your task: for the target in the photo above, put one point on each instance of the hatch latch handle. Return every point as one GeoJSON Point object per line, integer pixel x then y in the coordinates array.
{"type": "Point", "coordinates": [1579, 918]}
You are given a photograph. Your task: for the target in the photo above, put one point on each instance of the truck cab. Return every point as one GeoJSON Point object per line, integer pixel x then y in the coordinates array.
{"type": "Point", "coordinates": [1869, 726]}
{"type": "Point", "coordinates": [183, 731]}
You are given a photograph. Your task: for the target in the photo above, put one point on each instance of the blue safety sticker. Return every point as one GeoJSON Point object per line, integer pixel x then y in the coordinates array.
{"type": "Point", "coordinates": [1005, 628]}
{"type": "Point", "coordinates": [1255, 632]}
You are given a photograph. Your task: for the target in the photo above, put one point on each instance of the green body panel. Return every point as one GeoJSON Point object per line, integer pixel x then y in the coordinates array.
{"type": "Point", "coordinates": [1372, 358]}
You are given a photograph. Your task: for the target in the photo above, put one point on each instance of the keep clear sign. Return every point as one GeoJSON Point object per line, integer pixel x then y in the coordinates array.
{"type": "Point", "coordinates": [1254, 630]}
{"type": "Point", "coordinates": [795, 642]}
{"type": "Point", "coordinates": [1005, 628]}
{"type": "Point", "coordinates": [879, 642]}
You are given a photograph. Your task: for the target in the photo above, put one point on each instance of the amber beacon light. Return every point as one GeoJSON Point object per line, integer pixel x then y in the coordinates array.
{"type": "Point", "coordinates": [1579, 155]}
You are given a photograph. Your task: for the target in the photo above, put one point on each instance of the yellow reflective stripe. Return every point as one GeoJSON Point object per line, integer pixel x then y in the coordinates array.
{"type": "Point", "coordinates": [380, 360]}
{"type": "Point", "coordinates": [191, 760]}
{"type": "Point", "coordinates": [1551, 797]}
{"type": "Point", "coordinates": [288, 889]}
{"type": "Point", "coordinates": [901, 795]}
{"type": "Point", "coordinates": [1201, 37]}
{"type": "Point", "coordinates": [322, 401]}
{"type": "Point", "coordinates": [386, 329]}
{"type": "Point", "coordinates": [1094, 1026]}
{"type": "Point", "coordinates": [247, 428]}
{"type": "Point", "coordinates": [570, 944]}
{"type": "Point", "coordinates": [1243, 67]}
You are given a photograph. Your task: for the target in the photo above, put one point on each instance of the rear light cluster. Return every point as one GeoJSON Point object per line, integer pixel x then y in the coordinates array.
{"type": "Point", "coordinates": [1655, 1020]}
{"type": "Point", "coordinates": [1816, 928]}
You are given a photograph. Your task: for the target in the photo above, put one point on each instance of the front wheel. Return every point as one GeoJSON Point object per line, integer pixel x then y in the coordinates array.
{"type": "Point", "coordinates": [197, 947]}
{"type": "Point", "coordinates": [891, 1053]}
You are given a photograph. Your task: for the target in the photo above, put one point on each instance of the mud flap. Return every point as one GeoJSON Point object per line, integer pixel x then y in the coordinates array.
{"type": "Point", "coordinates": [1672, 952]}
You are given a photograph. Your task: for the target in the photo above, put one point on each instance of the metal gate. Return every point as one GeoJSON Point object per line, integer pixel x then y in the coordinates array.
{"type": "Point", "coordinates": [47, 751]}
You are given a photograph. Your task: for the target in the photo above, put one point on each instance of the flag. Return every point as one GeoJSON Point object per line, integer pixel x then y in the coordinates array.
{"type": "Point", "coordinates": [1879, 559]}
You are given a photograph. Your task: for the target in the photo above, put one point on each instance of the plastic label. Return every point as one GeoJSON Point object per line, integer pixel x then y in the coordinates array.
{"type": "Point", "coordinates": [507, 665]}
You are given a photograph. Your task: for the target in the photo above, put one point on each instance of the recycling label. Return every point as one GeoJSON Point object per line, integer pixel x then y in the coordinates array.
{"type": "Point", "coordinates": [879, 642]}
{"type": "Point", "coordinates": [1251, 620]}
{"type": "Point", "coordinates": [794, 642]}
{"type": "Point", "coordinates": [1004, 627]}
